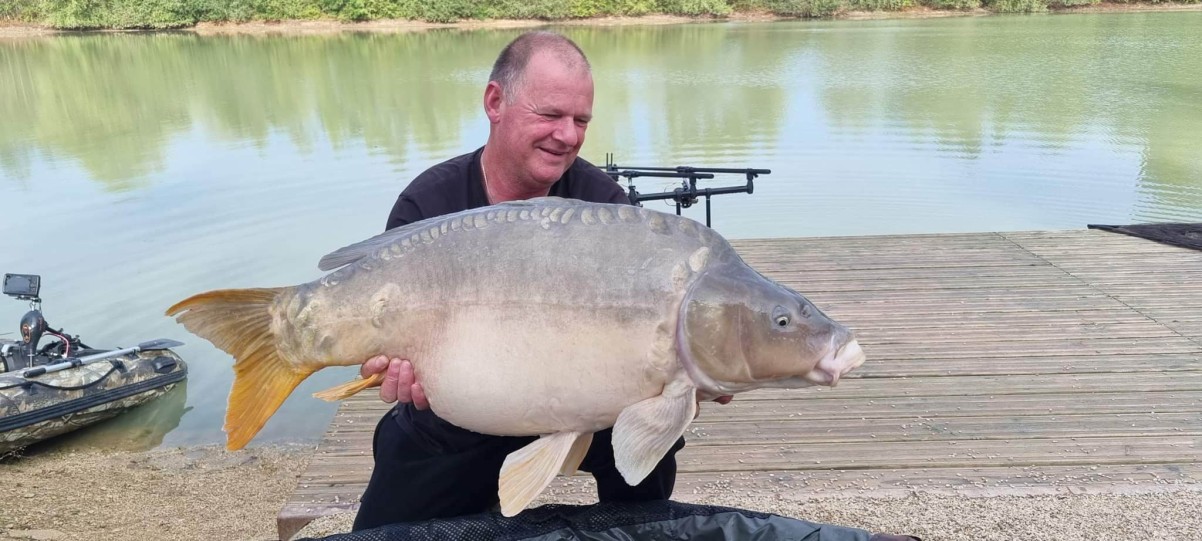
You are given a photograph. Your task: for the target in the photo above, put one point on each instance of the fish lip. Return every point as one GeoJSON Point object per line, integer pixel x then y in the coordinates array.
{"type": "Point", "coordinates": [838, 361]}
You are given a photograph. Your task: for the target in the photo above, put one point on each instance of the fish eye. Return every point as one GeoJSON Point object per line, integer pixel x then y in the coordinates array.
{"type": "Point", "coordinates": [781, 317]}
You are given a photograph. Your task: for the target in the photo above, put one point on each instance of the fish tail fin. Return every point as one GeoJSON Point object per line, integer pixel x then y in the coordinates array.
{"type": "Point", "coordinates": [238, 321]}
{"type": "Point", "coordinates": [348, 389]}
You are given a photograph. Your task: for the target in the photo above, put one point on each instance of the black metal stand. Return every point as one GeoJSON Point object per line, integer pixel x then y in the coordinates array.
{"type": "Point", "coordinates": [688, 193]}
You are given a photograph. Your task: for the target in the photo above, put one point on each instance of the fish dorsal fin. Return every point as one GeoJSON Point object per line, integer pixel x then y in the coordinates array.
{"type": "Point", "coordinates": [645, 431]}
{"type": "Point", "coordinates": [364, 248]}
{"type": "Point", "coordinates": [527, 471]}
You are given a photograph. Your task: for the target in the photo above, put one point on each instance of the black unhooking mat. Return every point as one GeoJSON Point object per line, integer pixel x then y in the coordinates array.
{"type": "Point", "coordinates": [1185, 235]}
{"type": "Point", "coordinates": [660, 520]}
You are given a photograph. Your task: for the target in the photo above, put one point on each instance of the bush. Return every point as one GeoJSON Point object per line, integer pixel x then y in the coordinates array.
{"type": "Point", "coordinates": [598, 8]}
{"type": "Point", "coordinates": [21, 10]}
{"type": "Point", "coordinates": [694, 7]}
{"type": "Point", "coordinates": [1071, 3]}
{"type": "Point", "coordinates": [802, 8]}
{"type": "Point", "coordinates": [963, 5]}
{"type": "Point", "coordinates": [150, 14]}
{"type": "Point", "coordinates": [1017, 6]}
{"type": "Point", "coordinates": [879, 5]}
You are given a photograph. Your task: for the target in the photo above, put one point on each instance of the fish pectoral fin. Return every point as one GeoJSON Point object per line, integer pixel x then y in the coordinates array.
{"type": "Point", "coordinates": [644, 432]}
{"type": "Point", "coordinates": [576, 455]}
{"type": "Point", "coordinates": [348, 389]}
{"type": "Point", "coordinates": [527, 471]}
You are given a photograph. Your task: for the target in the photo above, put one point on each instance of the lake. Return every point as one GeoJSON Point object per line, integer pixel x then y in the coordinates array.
{"type": "Point", "coordinates": [138, 169]}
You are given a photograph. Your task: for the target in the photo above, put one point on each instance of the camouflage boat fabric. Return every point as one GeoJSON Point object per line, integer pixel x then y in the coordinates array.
{"type": "Point", "coordinates": [45, 406]}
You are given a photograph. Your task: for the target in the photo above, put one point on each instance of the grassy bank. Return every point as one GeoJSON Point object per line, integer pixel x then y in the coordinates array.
{"type": "Point", "coordinates": [132, 14]}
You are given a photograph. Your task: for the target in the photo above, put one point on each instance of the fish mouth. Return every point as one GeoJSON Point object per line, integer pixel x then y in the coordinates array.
{"type": "Point", "coordinates": [837, 363]}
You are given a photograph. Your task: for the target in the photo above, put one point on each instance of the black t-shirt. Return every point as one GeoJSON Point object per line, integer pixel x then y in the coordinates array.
{"type": "Point", "coordinates": [456, 185]}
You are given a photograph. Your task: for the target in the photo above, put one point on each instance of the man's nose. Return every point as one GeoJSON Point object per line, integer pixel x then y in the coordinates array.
{"type": "Point", "coordinates": [566, 131]}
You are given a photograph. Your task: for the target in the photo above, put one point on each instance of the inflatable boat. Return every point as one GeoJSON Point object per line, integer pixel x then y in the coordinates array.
{"type": "Point", "coordinates": [51, 389]}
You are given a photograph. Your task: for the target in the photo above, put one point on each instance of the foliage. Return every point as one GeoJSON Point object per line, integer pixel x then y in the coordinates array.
{"type": "Point", "coordinates": [694, 7]}
{"type": "Point", "coordinates": [879, 5]}
{"type": "Point", "coordinates": [157, 14]}
{"type": "Point", "coordinates": [89, 14]}
{"type": "Point", "coordinates": [962, 5]}
{"type": "Point", "coordinates": [601, 8]}
{"type": "Point", "coordinates": [801, 8]}
{"type": "Point", "coordinates": [1017, 6]}
{"type": "Point", "coordinates": [21, 10]}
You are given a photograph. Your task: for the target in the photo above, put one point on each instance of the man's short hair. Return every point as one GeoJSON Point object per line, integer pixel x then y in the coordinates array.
{"type": "Point", "coordinates": [510, 65]}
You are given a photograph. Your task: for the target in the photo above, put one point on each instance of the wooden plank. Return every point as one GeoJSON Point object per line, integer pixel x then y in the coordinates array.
{"type": "Point", "coordinates": [874, 242]}
{"type": "Point", "coordinates": [1037, 294]}
{"type": "Point", "coordinates": [973, 481]}
{"type": "Point", "coordinates": [1013, 333]}
{"type": "Point", "coordinates": [1191, 329]}
{"type": "Point", "coordinates": [852, 410]}
{"type": "Point", "coordinates": [956, 453]}
{"type": "Point", "coordinates": [894, 388]}
{"type": "Point", "coordinates": [1049, 347]}
{"type": "Point", "coordinates": [808, 285]}
{"type": "Point", "coordinates": [902, 319]}
{"type": "Point", "coordinates": [883, 366]}
{"type": "Point", "coordinates": [799, 430]}
{"type": "Point", "coordinates": [954, 305]}
{"type": "Point", "coordinates": [868, 276]}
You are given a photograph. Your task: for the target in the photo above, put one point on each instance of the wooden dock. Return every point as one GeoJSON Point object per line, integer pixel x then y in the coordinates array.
{"type": "Point", "coordinates": [1021, 363]}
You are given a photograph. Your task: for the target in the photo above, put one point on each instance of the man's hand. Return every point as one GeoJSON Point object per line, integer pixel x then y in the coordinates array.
{"type": "Point", "coordinates": [399, 382]}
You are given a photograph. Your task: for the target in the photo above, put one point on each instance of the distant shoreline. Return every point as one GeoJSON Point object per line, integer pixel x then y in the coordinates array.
{"type": "Point", "coordinates": [17, 29]}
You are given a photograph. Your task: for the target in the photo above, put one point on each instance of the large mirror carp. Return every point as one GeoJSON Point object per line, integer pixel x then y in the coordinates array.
{"type": "Point", "coordinates": [548, 317]}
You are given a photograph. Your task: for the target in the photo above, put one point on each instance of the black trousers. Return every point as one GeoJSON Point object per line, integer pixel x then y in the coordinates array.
{"type": "Point", "coordinates": [419, 478]}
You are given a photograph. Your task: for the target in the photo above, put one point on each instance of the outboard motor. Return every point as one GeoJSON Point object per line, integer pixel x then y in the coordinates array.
{"type": "Point", "coordinates": [33, 325]}
{"type": "Point", "coordinates": [26, 287]}
{"type": "Point", "coordinates": [28, 351]}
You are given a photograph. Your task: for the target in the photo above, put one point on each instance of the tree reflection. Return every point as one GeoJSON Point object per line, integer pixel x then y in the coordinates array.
{"type": "Point", "coordinates": [709, 92]}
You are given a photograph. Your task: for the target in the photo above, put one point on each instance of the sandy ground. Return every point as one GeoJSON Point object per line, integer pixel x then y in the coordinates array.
{"type": "Point", "coordinates": [10, 30]}
{"type": "Point", "coordinates": [207, 493]}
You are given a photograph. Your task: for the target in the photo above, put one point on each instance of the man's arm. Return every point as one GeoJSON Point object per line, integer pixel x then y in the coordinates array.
{"type": "Point", "coordinates": [404, 212]}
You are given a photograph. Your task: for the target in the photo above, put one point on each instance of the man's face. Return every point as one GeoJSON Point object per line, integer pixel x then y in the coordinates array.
{"type": "Point", "coordinates": [541, 131]}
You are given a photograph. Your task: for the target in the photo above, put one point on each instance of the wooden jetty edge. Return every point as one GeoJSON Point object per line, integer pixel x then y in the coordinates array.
{"type": "Point", "coordinates": [998, 363]}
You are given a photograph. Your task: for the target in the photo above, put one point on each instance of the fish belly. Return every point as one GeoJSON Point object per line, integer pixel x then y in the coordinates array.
{"type": "Point", "coordinates": [545, 369]}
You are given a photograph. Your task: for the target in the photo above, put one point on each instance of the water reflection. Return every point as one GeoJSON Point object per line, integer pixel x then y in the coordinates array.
{"type": "Point", "coordinates": [1123, 86]}
{"type": "Point", "coordinates": [170, 164]}
{"type": "Point", "coordinates": [113, 103]}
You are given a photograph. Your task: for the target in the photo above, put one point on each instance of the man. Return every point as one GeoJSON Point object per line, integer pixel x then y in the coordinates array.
{"type": "Point", "coordinates": [539, 102]}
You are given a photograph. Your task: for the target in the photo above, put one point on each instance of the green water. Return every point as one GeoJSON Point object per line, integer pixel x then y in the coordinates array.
{"type": "Point", "coordinates": [137, 169]}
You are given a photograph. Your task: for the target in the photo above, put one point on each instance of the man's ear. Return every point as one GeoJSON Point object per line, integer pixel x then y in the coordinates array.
{"type": "Point", "coordinates": [493, 101]}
